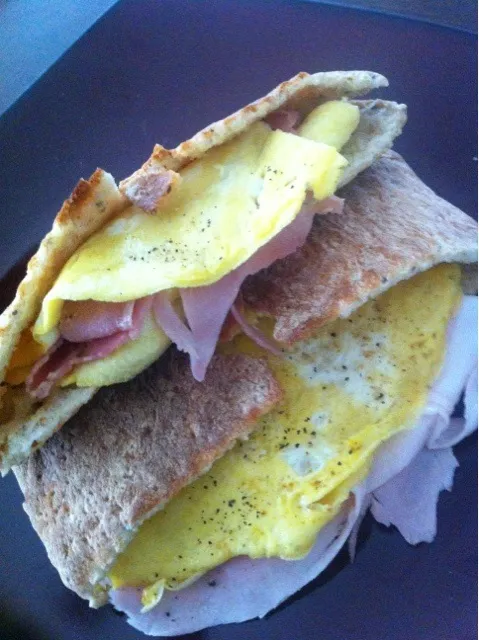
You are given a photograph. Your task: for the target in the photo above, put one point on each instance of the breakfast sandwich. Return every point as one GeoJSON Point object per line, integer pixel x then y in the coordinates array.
{"type": "Point", "coordinates": [211, 502]}
{"type": "Point", "coordinates": [128, 270]}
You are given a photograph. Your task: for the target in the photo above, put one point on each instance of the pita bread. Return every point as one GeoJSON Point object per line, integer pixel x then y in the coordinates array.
{"type": "Point", "coordinates": [128, 467]}
{"type": "Point", "coordinates": [381, 123]}
{"type": "Point", "coordinates": [24, 424]}
{"type": "Point", "coordinates": [131, 454]}
{"type": "Point", "coordinates": [393, 226]}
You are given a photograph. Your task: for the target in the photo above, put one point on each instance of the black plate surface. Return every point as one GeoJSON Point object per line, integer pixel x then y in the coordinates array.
{"type": "Point", "coordinates": [153, 71]}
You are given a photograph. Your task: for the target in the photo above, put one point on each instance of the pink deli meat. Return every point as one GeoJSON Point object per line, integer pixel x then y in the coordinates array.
{"type": "Point", "coordinates": [206, 307]}
{"type": "Point", "coordinates": [60, 360]}
{"type": "Point", "coordinates": [410, 469]}
{"type": "Point", "coordinates": [86, 320]}
{"type": "Point", "coordinates": [284, 119]}
{"type": "Point", "coordinates": [64, 355]}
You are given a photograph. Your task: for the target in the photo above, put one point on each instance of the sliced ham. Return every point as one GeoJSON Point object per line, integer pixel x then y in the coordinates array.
{"type": "Point", "coordinates": [254, 333]}
{"type": "Point", "coordinates": [284, 119]}
{"type": "Point", "coordinates": [64, 355]}
{"type": "Point", "coordinates": [409, 500]}
{"type": "Point", "coordinates": [172, 324]}
{"type": "Point", "coordinates": [102, 347]}
{"type": "Point", "coordinates": [57, 362]}
{"type": "Point", "coordinates": [206, 308]}
{"type": "Point", "coordinates": [85, 320]}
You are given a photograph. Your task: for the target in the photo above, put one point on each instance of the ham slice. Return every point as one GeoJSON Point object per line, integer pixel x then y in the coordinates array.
{"type": "Point", "coordinates": [410, 469]}
{"type": "Point", "coordinates": [171, 323]}
{"type": "Point", "coordinates": [284, 119]}
{"type": "Point", "coordinates": [409, 500]}
{"type": "Point", "coordinates": [56, 363]}
{"type": "Point", "coordinates": [85, 320]}
{"type": "Point", "coordinates": [63, 356]}
{"type": "Point", "coordinates": [102, 347]}
{"type": "Point", "coordinates": [206, 309]}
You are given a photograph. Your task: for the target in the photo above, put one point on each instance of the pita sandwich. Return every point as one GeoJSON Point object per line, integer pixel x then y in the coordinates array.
{"type": "Point", "coordinates": [272, 455]}
{"type": "Point", "coordinates": [57, 349]}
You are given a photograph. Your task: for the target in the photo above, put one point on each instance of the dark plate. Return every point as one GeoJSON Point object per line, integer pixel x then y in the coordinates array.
{"type": "Point", "coordinates": [158, 71]}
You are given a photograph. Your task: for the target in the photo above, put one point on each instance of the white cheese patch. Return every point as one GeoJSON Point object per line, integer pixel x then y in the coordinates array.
{"type": "Point", "coordinates": [357, 364]}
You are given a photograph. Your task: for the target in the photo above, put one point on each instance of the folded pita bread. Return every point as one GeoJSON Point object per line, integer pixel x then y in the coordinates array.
{"type": "Point", "coordinates": [26, 424]}
{"type": "Point", "coordinates": [351, 258]}
{"type": "Point", "coordinates": [131, 455]}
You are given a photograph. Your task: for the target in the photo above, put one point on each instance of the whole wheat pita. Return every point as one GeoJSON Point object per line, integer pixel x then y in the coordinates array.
{"type": "Point", "coordinates": [376, 243]}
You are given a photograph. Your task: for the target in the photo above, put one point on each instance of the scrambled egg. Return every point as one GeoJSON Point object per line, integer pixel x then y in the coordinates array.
{"type": "Point", "coordinates": [353, 385]}
{"type": "Point", "coordinates": [332, 122]}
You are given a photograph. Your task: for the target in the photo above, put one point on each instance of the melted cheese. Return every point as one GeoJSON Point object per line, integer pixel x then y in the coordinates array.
{"type": "Point", "coordinates": [353, 385]}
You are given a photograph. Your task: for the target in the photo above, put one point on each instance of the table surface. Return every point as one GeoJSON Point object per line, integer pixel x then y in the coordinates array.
{"type": "Point", "coordinates": [35, 34]}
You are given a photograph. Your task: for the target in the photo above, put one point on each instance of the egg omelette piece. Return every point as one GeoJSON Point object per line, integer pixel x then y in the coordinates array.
{"type": "Point", "coordinates": [228, 204]}
{"type": "Point", "coordinates": [355, 384]}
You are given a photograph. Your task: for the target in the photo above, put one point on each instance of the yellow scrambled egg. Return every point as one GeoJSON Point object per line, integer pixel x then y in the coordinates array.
{"type": "Point", "coordinates": [353, 385]}
{"type": "Point", "coordinates": [332, 122]}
